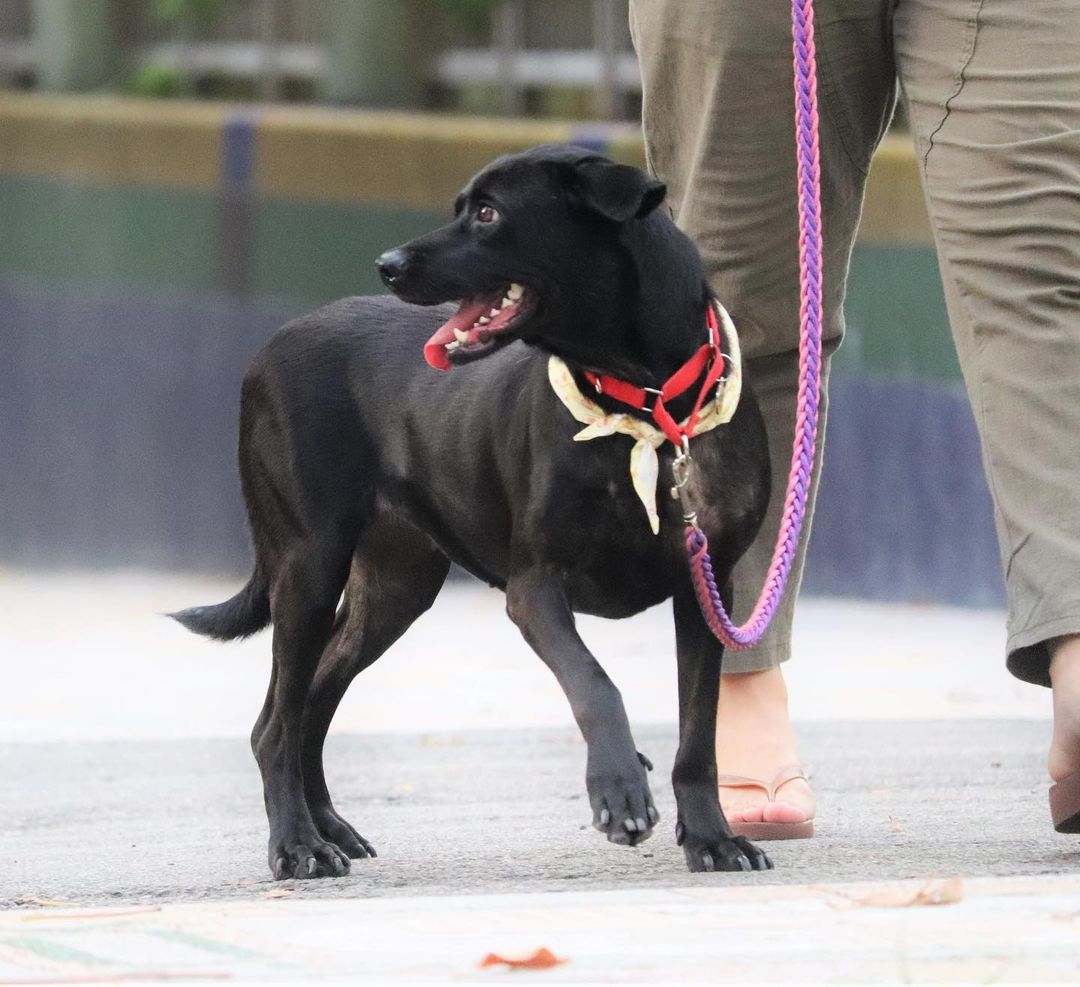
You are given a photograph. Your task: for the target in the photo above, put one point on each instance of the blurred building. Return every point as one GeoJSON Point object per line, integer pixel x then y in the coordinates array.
{"type": "Point", "coordinates": [535, 57]}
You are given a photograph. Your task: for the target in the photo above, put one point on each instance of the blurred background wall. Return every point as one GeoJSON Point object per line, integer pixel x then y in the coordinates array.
{"type": "Point", "coordinates": [178, 177]}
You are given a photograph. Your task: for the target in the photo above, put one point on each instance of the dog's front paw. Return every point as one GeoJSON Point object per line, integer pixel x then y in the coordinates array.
{"type": "Point", "coordinates": [719, 852]}
{"type": "Point", "coordinates": [306, 855]}
{"type": "Point", "coordinates": [622, 805]}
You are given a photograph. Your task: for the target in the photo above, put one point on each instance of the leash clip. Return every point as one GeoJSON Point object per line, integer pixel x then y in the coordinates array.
{"type": "Point", "coordinates": [681, 466]}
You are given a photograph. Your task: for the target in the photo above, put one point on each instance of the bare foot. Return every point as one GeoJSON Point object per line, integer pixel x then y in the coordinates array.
{"type": "Point", "coordinates": [755, 739]}
{"type": "Point", "coordinates": [1064, 756]}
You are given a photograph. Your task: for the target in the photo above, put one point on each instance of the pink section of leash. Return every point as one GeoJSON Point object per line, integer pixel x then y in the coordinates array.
{"type": "Point", "coordinates": [810, 308]}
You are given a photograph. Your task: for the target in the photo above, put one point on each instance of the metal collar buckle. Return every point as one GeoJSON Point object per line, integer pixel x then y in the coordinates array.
{"type": "Point", "coordinates": [656, 393]}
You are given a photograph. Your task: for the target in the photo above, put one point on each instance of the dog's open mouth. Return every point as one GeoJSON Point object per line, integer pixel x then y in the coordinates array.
{"type": "Point", "coordinates": [477, 326]}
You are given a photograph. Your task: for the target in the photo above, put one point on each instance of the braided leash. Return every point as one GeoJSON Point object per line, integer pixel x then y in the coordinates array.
{"type": "Point", "coordinates": [802, 462]}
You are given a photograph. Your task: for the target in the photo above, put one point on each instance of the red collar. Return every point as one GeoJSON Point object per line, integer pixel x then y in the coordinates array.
{"type": "Point", "coordinates": [708, 360]}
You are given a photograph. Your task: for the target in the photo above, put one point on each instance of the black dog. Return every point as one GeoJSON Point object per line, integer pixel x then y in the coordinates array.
{"type": "Point", "coordinates": [366, 472]}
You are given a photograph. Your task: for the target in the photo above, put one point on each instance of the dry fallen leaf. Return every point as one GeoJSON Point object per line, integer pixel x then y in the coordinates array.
{"type": "Point", "coordinates": [45, 903]}
{"type": "Point", "coordinates": [894, 825]}
{"type": "Point", "coordinates": [542, 959]}
{"type": "Point", "coordinates": [945, 892]}
{"type": "Point", "coordinates": [934, 892]}
{"type": "Point", "coordinates": [279, 892]}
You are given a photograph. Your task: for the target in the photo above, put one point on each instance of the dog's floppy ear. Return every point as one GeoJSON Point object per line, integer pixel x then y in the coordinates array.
{"type": "Point", "coordinates": [616, 191]}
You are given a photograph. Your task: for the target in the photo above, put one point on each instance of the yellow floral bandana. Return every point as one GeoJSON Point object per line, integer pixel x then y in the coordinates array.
{"type": "Point", "coordinates": [644, 463]}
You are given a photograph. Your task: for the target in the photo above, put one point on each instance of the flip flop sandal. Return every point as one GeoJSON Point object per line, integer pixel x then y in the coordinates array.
{"type": "Point", "coordinates": [790, 830]}
{"type": "Point", "coordinates": [1065, 804]}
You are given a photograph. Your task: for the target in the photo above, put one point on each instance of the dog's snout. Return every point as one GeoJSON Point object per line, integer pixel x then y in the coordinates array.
{"type": "Point", "coordinates": [392, 266]}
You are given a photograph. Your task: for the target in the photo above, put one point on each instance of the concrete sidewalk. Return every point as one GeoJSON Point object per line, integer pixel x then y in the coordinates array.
{"type": "Point", "coordinates": [1001, 931]}
{"type": "Point", "coordinates": [483, 812]}
{"type": "Point", "coordinates": [485, 846]}
{"type": "Point", "coordinates": [91, 658]}
{"type": "Point", "coordinates": [128, 795]}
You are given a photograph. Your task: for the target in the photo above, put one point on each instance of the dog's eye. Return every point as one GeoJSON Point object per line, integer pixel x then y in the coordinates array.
{"type": "Point", "coordinates": [487, 214]}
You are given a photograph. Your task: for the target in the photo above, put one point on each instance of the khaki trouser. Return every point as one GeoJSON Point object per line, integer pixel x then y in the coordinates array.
{"type": "Point", "coordinates": [992, 90]}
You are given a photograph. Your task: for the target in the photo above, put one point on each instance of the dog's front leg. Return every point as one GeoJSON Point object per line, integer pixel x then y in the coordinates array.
{"type": "Point", "coordinates": [701, 829]}
{"type": "Point", "coordinates": [615, 777]}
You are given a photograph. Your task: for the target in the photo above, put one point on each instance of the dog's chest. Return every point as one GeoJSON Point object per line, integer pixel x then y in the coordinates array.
{"type": "Point", "coordinates": [590, 522]}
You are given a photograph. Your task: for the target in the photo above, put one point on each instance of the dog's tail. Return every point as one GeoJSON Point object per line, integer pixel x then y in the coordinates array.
{"type": "Point", "coordinates": [241, 616]}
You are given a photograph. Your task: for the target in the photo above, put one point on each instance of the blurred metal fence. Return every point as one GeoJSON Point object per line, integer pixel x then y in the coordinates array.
{"type": "Point", "coordinates": [606, 66]}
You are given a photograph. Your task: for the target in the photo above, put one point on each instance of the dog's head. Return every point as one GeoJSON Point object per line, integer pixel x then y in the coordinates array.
{"type": "Point", "coordinates": [533, 235]}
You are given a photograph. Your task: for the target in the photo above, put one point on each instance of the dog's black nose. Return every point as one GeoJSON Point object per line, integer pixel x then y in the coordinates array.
{"type": "Point", "coordinates": [392, 266]}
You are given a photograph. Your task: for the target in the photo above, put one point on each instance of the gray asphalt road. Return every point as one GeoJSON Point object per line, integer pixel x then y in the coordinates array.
{"type": "Point", "coordinates": [500, 811]}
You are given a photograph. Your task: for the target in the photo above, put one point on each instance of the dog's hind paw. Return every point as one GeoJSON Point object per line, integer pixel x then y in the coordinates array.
{"type": "Point", "coordinates": [341, 834]}
{"type": "Point", "coordinates": [734, 853]}
{"type": "Point", "coordinates": [306, 858]}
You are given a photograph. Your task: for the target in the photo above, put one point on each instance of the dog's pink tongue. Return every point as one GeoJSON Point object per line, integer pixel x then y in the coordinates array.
{"type": "Point", "coordinates": [464, 318]}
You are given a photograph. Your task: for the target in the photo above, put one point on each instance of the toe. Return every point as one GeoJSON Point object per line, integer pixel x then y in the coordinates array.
{"type": "Point", "coordinates": [333, 862]}
{"type": "Point", "coordinates": [797, 804]}
{"type": "Point", "coordinates": [785, 812]}
{"type": "Point", "coordinates": [357, 848]}
{"type": "Point", "coordinates": [745, 813]}
{"type": "Point", "coordinates": [341, 834]}
{"type": "Point", "coordinates": [306, 867]}
{"type": "Point", "coordinates": [759, 860]}
{"type": "Point", "coordinates": [363, 849]}
{"type": "Point", "coordinates": [625, 813]}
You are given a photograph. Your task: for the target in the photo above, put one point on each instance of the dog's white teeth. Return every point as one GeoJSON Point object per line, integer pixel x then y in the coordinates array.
{"type": "Point", "coordinates": [483, 320]}
{"type": "Point", "coordinates": [506, 302]}
{"type": "Point", "coordinates": [515, 292]}
{"type": "Point", "coordinates": [461, 335]}
{"type": "Point", "coordinates": [450, 347]}
{"type": "Point", "coordinates": [493, 313]}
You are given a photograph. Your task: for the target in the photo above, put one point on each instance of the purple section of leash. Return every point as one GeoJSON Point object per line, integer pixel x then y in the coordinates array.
{"type": "Point", "coordinates": [810, 307]}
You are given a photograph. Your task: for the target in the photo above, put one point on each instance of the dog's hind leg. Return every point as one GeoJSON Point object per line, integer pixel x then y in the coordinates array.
{"type": "Point", "coordinates": [615, 774]}
{"type": "Point", "coordinates": [309, 474]}
{"type": "Point", "coordinates": [396, 574]}
{"type": "Point", "coordinates": [304, 591]}
{"type": "Point", "coordinates": [701, 829]}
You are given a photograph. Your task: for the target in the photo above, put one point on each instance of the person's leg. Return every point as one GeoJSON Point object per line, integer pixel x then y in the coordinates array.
{"type": "Point", "coordinates": [1064, 757]}
{"type": "Point", "coordinates": [993, 90]}
{"type": "Point", "coordinates": [718, 113]}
